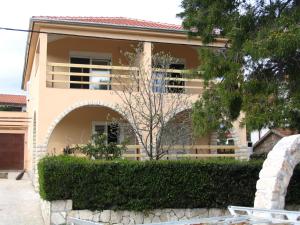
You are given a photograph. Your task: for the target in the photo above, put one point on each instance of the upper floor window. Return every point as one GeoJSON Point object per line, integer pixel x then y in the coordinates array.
{"type": "Point", "coordinates": [178, 84]}
{"type": "Point", "coordinates": [95, 78]}
{"type": "Point", "coordinates": [103, 75]}
{"type": "Point", "coordinates": [163, 85]}
{"type": "Point", "coordinates": [77, 78]}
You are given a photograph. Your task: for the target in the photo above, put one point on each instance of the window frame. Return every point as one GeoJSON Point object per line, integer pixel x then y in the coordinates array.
{"type": "Point", "coordinates": [120, 137]}
{"type": "Point", "coordinates": [159, 85]}
{"type": "Point", "coordinates": [92, 56]}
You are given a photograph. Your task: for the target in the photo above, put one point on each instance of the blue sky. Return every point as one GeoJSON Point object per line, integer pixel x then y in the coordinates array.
{"type": "Point", "coordinates": [16, 14]}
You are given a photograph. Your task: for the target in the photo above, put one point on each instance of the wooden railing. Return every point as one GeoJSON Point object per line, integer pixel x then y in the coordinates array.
{"type": "Point", "coordinates": [60, 73]}
{"type": "Point", "coordinates": [59, 76]}
{"type": "Point", "coordinates": [228, 151]}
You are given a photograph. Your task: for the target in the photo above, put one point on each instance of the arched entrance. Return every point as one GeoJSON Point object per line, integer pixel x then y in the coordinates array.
{"type": "Point", "coordinates": [179, 137]}
{"type": "Point", "coordinates": [276, 173]}
{"type": "Point", "coordinates": [77, 124]}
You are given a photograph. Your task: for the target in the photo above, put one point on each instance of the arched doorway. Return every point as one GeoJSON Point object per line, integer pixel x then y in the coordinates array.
{"type": "Point", "coordinates": [78, 126]}
{"type": "Point", "coordinates": [179, 136]}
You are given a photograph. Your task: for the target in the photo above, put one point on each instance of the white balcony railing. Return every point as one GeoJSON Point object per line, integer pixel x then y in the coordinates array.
{"type": "Point", "coordinates": [103, 77]}
{"type": "Point", "coordinates": [190, 152]}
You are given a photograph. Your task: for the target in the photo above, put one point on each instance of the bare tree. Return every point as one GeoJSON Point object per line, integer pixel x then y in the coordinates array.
{"type": "Point", "coordinates": [151, 97]}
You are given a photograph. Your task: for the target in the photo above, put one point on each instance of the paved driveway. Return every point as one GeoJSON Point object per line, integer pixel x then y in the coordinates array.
{"type": "Point", "coordinates": [19, 204]}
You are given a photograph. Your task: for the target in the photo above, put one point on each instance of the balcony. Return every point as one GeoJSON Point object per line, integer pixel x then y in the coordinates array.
{"type": "Point", "coordinates": [110, 77]}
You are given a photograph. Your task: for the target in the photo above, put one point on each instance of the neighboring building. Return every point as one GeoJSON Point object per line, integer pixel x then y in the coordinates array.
{"type": "Point", "coordinates": [13, 132]}
{"type": "Point", "coordinates": [67, 103]}
{"type": "Point", "coordinates": [270, 139]}
{"type": "Point", "coordinates": [12, 102]}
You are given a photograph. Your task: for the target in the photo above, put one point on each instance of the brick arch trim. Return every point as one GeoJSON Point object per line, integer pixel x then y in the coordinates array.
{"type": "Point", "coordinates": [69, 109]}
{"type": "Point", "coordinates": [274, 177]}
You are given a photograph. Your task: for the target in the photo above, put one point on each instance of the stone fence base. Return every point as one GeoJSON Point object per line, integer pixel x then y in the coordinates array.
{"type": "Point", "coordinates": [57, 213]}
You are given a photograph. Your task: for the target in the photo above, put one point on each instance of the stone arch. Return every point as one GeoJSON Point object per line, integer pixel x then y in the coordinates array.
{"type": "Point", "coordinates": [177, 112]}
{"type": "Point", "coordinates": [276, 173]}
{"type": "Point", "coordinates": [213, 139]}
{"type": "Point", "coordinates": [71, 108]}
{"type": "Point", "coordinates": [177, 127]}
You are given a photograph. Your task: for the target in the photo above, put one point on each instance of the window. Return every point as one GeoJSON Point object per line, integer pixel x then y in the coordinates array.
{"type": "Point", "coordinates": [113, 133]}
{"type": "Point", "coordinates": [103, 79]}
{"type": "Point", "coordinates": [75, 60]}
{"type": "Point", "coordinates": [230, 141]}
{"type": "Point", "coordinates": [94, 79]}
{"type": "Point", "coordinates": [112, 130]}
{"type": "Point", "coordinates": [160, 83]}
{"type": "Point", "coordinates": [99, 129]}
{"type": "Point", "coordinates": [177, 83]}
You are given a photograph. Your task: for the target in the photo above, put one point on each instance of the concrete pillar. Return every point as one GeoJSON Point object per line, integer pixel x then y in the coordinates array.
{"type": "Point", "coordinates": [240, 132]}
{"type": "Point", "coordinates": [147, 59]}
{"type": "Point", "coordinates": [146, 71]}
{"type": "Point", "coordinates": [240, 138]}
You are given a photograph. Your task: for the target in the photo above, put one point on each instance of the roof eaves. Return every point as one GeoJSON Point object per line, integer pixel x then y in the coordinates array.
{"type": "Point", "coordinates": [12, 103]}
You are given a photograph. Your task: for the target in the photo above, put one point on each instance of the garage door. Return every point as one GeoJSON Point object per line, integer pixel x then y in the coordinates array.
{"type": "Point", "coordinates": [11, 151]}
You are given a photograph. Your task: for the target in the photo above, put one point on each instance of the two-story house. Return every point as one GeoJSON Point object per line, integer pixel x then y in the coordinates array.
{"type": "Point", "coordinates": [69, 75]}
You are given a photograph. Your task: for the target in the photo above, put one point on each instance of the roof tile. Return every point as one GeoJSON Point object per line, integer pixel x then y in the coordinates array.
{"type": "Point", "coordinates": [285, 131]}
{"type": "Point", "coordinates": [12, 99]}
{"type": "Point", "coordinates": [118, 21]}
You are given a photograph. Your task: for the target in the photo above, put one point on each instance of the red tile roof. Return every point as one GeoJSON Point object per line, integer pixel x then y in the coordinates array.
{"type": "Point", "coordinates": [12, 99]}
{"type": "Point", "coordinates": [117, 21]}
{"type": "Point", "coordinates": [285, 131]}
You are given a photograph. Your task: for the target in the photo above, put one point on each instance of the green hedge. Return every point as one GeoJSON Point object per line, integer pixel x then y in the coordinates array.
{"type": "Point", "coordinates": [133, 185]}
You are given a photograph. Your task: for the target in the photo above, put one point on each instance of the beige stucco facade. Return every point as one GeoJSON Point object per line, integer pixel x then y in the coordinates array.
{"type": "Point", "coordinates": [64, 116]}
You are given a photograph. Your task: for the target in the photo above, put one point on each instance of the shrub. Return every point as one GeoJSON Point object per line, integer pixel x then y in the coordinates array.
{"type": "Point", "coordinates": [134, 185]}
{"type": "Point", "coordinates": [98, 148]}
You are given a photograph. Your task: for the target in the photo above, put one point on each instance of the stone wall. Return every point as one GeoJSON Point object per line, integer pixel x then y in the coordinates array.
{"type": "Point", "coordinates": [57, 213]}
{"type": "Point", "coordinates": [46, 211]}
{"type": "Point", "coordinates": [266, 145]}
{"type": "Point", "coordinates": [243, 153]}
{"type": "Point", "coordinates": [110, 217]}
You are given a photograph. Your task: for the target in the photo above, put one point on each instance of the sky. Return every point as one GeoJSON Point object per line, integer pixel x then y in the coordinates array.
{"type": "Point", "coordinates": [16, 14]}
